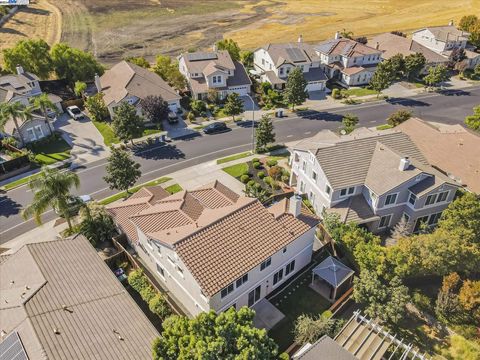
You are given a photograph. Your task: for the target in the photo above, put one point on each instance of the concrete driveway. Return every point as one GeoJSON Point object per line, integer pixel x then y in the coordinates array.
{"type": "Point", "coordinates": [86, 141]}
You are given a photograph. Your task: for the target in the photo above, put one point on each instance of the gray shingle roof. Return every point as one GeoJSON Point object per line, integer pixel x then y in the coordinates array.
{"type": "Point", "coordinates": [333, 271]}
{"type": "Point", "coordinates": [354, 209]}
{"type": "Point", "coordinates": [326, 349]}
{"type": "Point", "coordinates": [291, 53]}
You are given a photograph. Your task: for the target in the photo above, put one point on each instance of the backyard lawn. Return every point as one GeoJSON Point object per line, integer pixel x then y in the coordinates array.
{"type": "Point", "coordinates": [47, 153]}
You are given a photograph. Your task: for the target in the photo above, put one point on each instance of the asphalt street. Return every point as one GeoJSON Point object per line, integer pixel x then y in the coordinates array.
{"type": "Point", "coordinates": [450, 107]}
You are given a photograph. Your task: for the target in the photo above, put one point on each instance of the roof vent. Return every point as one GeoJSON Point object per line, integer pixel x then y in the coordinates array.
{"type": "Point", "coordinates": [300, 38]}
{"type": "Point", "coordinates": [404, 164]}
{"type": "Point", "coordinates": [56, 331]}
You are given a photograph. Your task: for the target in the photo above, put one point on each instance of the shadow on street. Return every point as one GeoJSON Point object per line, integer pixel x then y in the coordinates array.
{"type": "Point", "coordinates": [8, 207]}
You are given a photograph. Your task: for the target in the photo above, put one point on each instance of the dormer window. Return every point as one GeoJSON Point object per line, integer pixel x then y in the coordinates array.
{"type": "Point", "coordinates": [280, 71]}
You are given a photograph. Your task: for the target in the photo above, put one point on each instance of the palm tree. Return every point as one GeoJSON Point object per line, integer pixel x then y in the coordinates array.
{"type": "Point", "coordinates": [51, 189]}
{"type": "Point", "coordinates": [42, 102]}
{"type": "Point", "coordinates": [14, 110]}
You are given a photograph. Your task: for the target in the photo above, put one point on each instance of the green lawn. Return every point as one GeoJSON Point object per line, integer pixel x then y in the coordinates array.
{"type": "Point", "coordinates": [106, 130]}
{"type": "Point", "coordinates": [234, 157]}
{"type": "Point", "coordinates": [123, 194]}
{"type": "Point", "coordinates": [172, 189]}
{"type": "Point", "coordinates": [360, 92]}
{"type": "Point", "coordinates": [151, 131]}
{"type": "Point", "coordinates": [19, 182]}
{"type": "Point", "coordinates": [236, 170]}
{"type": "Point", "coordinates": [47, 153]}
{"type": "Point", "coordinates": [384, 127]}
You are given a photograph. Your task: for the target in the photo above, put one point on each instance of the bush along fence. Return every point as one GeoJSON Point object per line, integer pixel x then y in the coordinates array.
{"type": "Point", "coordinates": [156, 302]}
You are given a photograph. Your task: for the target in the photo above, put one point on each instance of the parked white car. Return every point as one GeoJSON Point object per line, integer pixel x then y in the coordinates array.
{"type": "Point", "coordinates": [75, 113]}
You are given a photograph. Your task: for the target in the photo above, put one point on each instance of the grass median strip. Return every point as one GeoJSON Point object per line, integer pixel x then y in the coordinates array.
{"type": "Point", "coordinates": [234, 157]}
{"type": "Point", "coordinates": [20, 182]}
{"type": "Point", "coordinates": [123, 194]}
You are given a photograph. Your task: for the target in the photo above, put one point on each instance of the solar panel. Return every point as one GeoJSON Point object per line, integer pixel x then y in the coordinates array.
{"type": "Point", "coordinates": [12, 349]}
{"type": "Point", "coordinates": [296, 55]}
{"type": "Point", "coordinates": [199, 56]}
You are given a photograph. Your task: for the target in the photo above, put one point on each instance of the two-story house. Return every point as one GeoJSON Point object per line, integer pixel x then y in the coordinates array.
{"type": "Point", "coordinates": [371, 178]}
{"type": "Point", "coordinates": [348, 61]}
{"type": "Point", "coordinates": [127, 82]}
{"type": "Point", "coordinates": [441, 38]}
{"type": "Point", "coordinates": [214, 70]}
{"type": "Point", "coordinates": [274, 62]}
{"type": "Point", "coordinates": [214, 249]}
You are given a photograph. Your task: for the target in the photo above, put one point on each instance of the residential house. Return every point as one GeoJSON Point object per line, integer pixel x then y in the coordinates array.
{"type": "Point", "coordinates": [214, 70]}
{"type": "Point", "coordinates": [441, 38]}
{"type": "Point", "coordinates": [370, 177]}
{"type": "Point", "coordinates": [391, 44]}
{"type": "Point", "coordinates": [59, 300]}
{"type": "Point", "coordinates": [452, 149]}
{"type": "Point", "coordinates": [127, 82]}
{"type": "Point", "coordinates": [214, 249]}
{"type": "Point", "coordinates": [32, 130]}
{"type": "Point", "coordinates": [19, 87]}
{"type": "Point", "coordinates": [274, 62]}
{"type": "Point", "coordinates": [349, 62]}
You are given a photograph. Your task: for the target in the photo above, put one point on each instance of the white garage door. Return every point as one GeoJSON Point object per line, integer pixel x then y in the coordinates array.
{"type": "Point", "coordinates": [315, 86]}
{"type": "Point", "coordinates": [240, 90]}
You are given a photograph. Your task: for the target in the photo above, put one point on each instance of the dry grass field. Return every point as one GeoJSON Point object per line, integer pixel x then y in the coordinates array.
{"type": "Point", "coordinates": [40, 20]}
{"type": "Point", "coordinates": [112, 29]}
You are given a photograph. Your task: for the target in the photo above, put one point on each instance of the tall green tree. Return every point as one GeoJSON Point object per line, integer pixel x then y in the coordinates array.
{"type": "Point", "coordinates": [233, 105]}
{"type": "Point", "coordinates": [122, 170]}
{"type": "Point", "coordinates": [473, 121]}
{"type": "Point", "coordinates": [349, 121]}
{"type": "Point", "coordinates": [436, 75]}
{"type": "Point", "coordinates": [295, 93]}
{"type": "Point", "coordinates": [127, 124]}
{"type": "Point", "coordinates": [462, 349]}
{"type": "Point", "coordinates": [51, 188]}
{"type": "Point", "coordinates": [264, 133]}
{"type": "Point", "coordinates": [383, 77]}
{"type": "Point", "coordinates": [246, 58]}
{"type": "Point", "coordinates": [309, 329]}
{"type": "Point", "coordinates": [96, 224]}
{"type": "Point", "coordinates": [32, 55]}
{"type": "Point", "coordinates": [413, 64]}
{"type": "Point", "coordinates": [74, 64]}
{"type": "Point", "coordinates": [228, 335]}
{"type": "Point", "coordinates": [97, 110]}
{"type": "Point", "coordinates": [79, 88]}
{"type": "Point", "coordinates": [43, 103]}
{"type": "Point", "coordinates": [231, 46]}
{"type": "Point", "coordinates": [139, 61]}
{"type": "Point", "coordinates": [168, 71]}
{"type": "Point", "coordinates": [15, 111]}
{"type": "Point", "coordinates": [468, 22]}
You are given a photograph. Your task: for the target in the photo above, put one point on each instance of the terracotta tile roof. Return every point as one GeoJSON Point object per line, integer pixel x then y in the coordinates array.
{"type": "Point", "coordinates": [72, 290]}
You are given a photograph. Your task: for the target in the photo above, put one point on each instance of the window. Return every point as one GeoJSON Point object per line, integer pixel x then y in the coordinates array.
{"type": "Point", "coordinates": [351, 190]}
{"type": "Point", "coordinates": [171, 260]}
{"type": "Point", "coordinates": [226, 290]}
{"type": "Point", "coordinates": [242, 280]}
{"type": "Point", "coordinates": [385, 221]}
{"type": "Point", "coordinates": [420, 221]}
{"type": "Point", "coordinates": [214, 79]}
{"type": "Point", "coordinates": [304, 166]}
{"type": "Point", "coordinates": [431, 199]}
{"type": "Point", "coordinates": [391, 199]}
{"type": "Point", "coordinates": [347, 191]}
{"type": "Point", "coordinates": [278, 276]}
{"type": "Point", "coordinates": [412, 198]}
{"type": "Point", "coordinates": [254, 296]}
{"type": "Point", "coordinates": [302, 187]}
{"type": "Point", "coordinates": [265, 264]}
{"type": "Point", "coordinates": [328, 189]}
{"type": "Point", "coordinates": [314, 176]}
{"type": "Point", "coordinates": [263, 61]}
{"type": "Point", "coordinates": [433, 220]}
{"type": "Point", "coordinates": [406, 217]}
{"type": "Point", "coordinates": [343, 192]}
{"type": "Point", "coordinates": [150, 243]}
{"type": "Point", "coordinates": [180, 270]}
{"type": "Point", "coordinates": [281, 71]}
{"type": "Point", "coordinates": [289, 268]}
{"type": "Point", "coordinates": [284, 249]}
{"type": "Point", "coordinates": [442, 196]}
{"type": "Point", "coordinates": [160, 270]}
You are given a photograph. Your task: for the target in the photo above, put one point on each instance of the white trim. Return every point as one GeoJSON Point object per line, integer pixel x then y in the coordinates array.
{"type": "Point", "coordinates": [385, 205]}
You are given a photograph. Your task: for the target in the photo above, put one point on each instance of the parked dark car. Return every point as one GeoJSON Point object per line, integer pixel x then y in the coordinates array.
{"type": "Point", "coordinates": [215, 127]}
{"type": "Point", "coordinates": [172, 118]}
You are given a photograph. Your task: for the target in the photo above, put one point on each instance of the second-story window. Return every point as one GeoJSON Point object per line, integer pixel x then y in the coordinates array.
{"type": "Point", "coordinates": [304, 166]}
{"type": "Point", "coordinates": [289, 268]}
{"type": "Point", "coordinates": [412, 198]}
{"type": "Point", "coordinates": [280, 71]}
{"type": "Point", "coordinates": [314, 176]}
{"type": "Point", "coordinates": [242, 280]}
{"type": "Point", "coordinates": [442, 196]}
{"type": "Point", "coordinates": [431, 199]}
{"type": "Point", "coordinates": [328, 189]}
{"type": "Point", "coordinates": [391, 199]}
{"type": "Point", "coordinates": [226, 290]}
{"type": "Point", "coordinates": [265, 264]}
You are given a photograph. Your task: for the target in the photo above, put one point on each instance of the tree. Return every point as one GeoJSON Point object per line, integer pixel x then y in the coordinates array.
{"type": "Point", "coordinates": [309, 329]}
{"type": "Point", "coordinates": [96, 225]}
{"type": "Point", "coordinates": [246, 58]}
{"type": "Point", "coordinates": [139, 61]}
{"type": "Point", "coordinates": [32, 55]}
{"type": "Point", "coordinates": [228, 335]}
{"type": "Point", "coordinates": [213, 96]}
{"type": "Point", "coordinates": [127, 124]}
{"type": "Point", "coordinates": [469, 295]}
{"type": "Point", "coordinates": [382, 78]}
{"type": "Point", "coordinates": [96, 107]}
{"type": "Point", "coordinates": [456, 59]}
{"type": "Point", "coordinates": [14, 110]}
{"type": "Point", "coordinates": [473, 121]}
{"type": "Point", "coordinates": [198, 107]}
{"type": "Point", "coordinates": [168, 71]}
{"type": "Point", "coordinates": [43, 103]}
{"type": "Point", "coordinates": [447, 304]}
{"type": "Point", "coordinates": [159, 306]}
{"type": "Point", "coordinates": [468, 22]}
{"type": "Point", "coordinates": [349, 121]}
{"type": "Point", "coordinates": [231, 46]}
{"type": "Point", "coordinates": [400, 230]}
{"type": "Point", "coordinates": [346, 34]}
{"type": "Point", "coordinates": [413, 64]}
{"type": "Point", "coordinates": [399, 117]}
{"type": "Point", "coordinates": [462, 349]}
{"type": "Point", "coordinates": [383, 300]}
{"type": "Point", "coordinates": [155, 108]}
{"type": "Point", "coordinates": [74, 64]}
{"type": "Point", "coordinates": [122, 170]}
{"type": "Point", "coordinates": [51, 188]}
{"type": "Point", "coordinates": [79, 88]}
{"type": "Point", "coordinates": [264, 133]}
{"type": "Point", "coordinates": [295, 93]}
{"type": "Point", "coordinates": [436, 75]}
{"type": "Point", "coordinates": [233, 105]}
{"type": "Point", "coordinates": [397, 64]}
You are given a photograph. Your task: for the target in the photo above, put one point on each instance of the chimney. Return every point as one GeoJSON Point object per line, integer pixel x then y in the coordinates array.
{"type": "Point", "coordinates": [97, 83]}
{"type": "Point", "coordinates": [300, 38]}
{"type": "Point", "coordinates": [377, 45]}
{"type": "Point", "coordinates": [450, 23]}
{"type": "Point", "coordinates": [404, 164]}
{"type": "Point", "coordinates": [295, 206]}
{"type": "Point", "coordinates": [20, 70]}
{"type": "Point", "coordinates": [337, 35]}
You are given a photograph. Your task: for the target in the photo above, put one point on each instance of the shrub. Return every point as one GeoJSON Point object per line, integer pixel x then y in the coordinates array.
{"type": "Point", "coordinates": [285, 179]}
{"type": "Point", "coordinates": [137, 280]}
{"type": "Point", "coordinates": [255, 160]}
{"type": "Point", "coordinates": [246, 173]}
{"type": "Point", "coordinates": [422, 302]}
{"type": "Point", "coordinates": [251, 183]}
{"type": "Point", "coordinates": [257, 186]}
{"type": "Point", "coordinates": [257, 165]}
{"type": "Point", "coordinates": [261, 174]}
{"type": "Point", "coordinates": [158, 305]}
{"type": "Point", "coordinates": [275, 172]}
{"type": "Point", "coordinates": [268, 180]}
{"type": "Point", "coordinates": [399, 117]}
{"type": "Point", "coordinates": [148, 293]}
{"type": "Point", "coordinates": [336, 94]}
{"type": "Point", "coordinates": [245, 179]}
{"type": "Point", "coordinates": [191, 116]}
{"type": "Point", "coordinates": [272, 162]}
